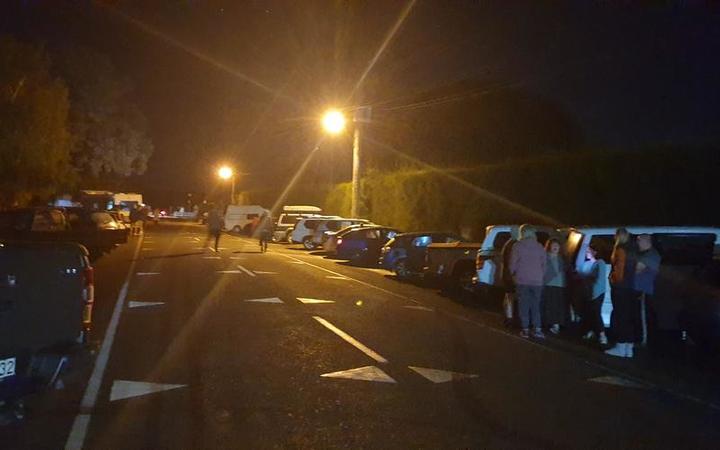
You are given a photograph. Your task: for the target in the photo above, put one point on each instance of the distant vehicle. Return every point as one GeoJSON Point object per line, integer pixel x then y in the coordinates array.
{"type": "Point", "coordinates": [96, 233]}
{"type": "Point", "coordinates": [687, 289]}
{"type": "Point", "coordinates": [406, 253]}
{"type": "Point", "coordinates": [305, 228]}
{"type": "Point", "coordinates": [319, 237]}
{"type": "Point", "coordinates": [363, 244]}
{"type": "Point", "coordinates": [289, 217]}
{"type": "Point", "coordinates": [47, 297]}
{"type": "Point", "coordinates": [240, 218]}
{"type": "Point", "coordinates": [124, 203]}
{"type": "Point", "coordinates": [331, 241]}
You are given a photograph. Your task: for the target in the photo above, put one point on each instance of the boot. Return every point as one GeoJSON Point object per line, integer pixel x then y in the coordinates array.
{"type": "Point", "coordinates": [619, 350]}
{"type": "Point", "coordinates": [629, 353]}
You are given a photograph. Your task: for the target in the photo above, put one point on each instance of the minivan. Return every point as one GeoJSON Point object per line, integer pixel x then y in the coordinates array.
{"type": "Point", "coordinates": [239, 218]}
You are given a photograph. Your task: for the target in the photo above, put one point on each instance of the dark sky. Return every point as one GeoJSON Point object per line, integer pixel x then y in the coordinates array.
{"type": "Point", "coordinates": [244, 81]}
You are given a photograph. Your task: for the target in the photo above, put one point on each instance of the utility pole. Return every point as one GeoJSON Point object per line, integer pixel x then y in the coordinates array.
{"type": "Point", "coordinates": [362, 116]}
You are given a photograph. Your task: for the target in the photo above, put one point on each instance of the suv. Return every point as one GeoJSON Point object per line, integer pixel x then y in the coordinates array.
{"type": "Point", "coordinates": [304, 230]}
{"type": "Point", "coordinates": [290, 216]}
{"type": "Point", "coordinates": [686, 295]}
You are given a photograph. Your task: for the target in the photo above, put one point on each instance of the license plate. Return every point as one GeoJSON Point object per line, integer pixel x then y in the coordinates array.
{"type": "Point", "coordinates": [7, 368]}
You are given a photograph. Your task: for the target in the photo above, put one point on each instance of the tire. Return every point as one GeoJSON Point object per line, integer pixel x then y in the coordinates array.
{"type": "Point", "coordinates": [237, 229]}
{"type": "Point", "coordinates": [308, 243]}
{"type": "Point", "coordinates": [401, 270]}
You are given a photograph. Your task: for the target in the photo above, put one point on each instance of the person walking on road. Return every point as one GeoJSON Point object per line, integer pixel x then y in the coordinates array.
{"type": "Point", "coordinates": [215, 225]}
{"type": "Point", "coordinates": [527, 266]}
{"type": "Point", "coordinates": [646, 271]}
{"type": "Point", "coordinates": [593, 274]}
{"type": "Point", "coordinates": [264, 232]}
{"type": "Point", "coordinates": [626, 307]}
{"type": "Point", "coordinates": [554, 298]}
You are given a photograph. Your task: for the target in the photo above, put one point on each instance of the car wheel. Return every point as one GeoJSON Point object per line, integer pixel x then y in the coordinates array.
{"type": "Point", "coordinates": [401, 270]}
{"type": "Point", "coordinates": [236, 229]}
{"type": "Point", "coordinates": [308, 243]}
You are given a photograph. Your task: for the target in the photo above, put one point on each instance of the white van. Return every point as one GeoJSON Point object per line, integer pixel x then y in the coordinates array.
{"type": "Point", "coordinates": [239, 218]}
{"type": "Point", "coordinates": [674, 245]}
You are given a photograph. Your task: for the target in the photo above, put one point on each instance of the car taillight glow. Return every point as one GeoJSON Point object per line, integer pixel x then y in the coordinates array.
{"type": "Point", "coordinates": [88, 295]}
{"type": "Point", "coordinates": [339, 241]}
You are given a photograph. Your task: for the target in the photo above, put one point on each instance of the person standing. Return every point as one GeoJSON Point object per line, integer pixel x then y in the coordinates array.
{"type": "Point", "coordinates": [554, 300]}
{"type": "Point", "coordinates": [527, 266]}
{"type": "Point", "coordinates": [215, 225]}
{"type": "Point", "coordinates": [626, 307]}
{"type": "Point", "coordinates": [593, 273]}
{"type": "Point", "coordinates": [507, 281]}
{"type": "Point", "coordinates": [646, 271]}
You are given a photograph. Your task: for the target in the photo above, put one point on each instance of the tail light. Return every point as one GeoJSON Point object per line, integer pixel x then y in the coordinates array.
{"type": "Point", "coordinates": [88, 296]}
{"type": "Point", "coordinates": [339, 241]}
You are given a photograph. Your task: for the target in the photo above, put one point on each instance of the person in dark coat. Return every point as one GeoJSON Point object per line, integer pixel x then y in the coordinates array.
{"type": "Point", "coordinates": [215, 225]}
{"type": "Point", "coordinates": [626, 307]}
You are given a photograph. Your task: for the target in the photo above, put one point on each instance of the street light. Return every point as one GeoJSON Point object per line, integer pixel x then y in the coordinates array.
{"type": "Point", "coordinates": [334, 122]}
{"type": "Point", "coordinates": [227, 173]}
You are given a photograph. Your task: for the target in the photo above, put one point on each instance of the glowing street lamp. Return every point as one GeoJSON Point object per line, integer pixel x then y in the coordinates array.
{"type": "Point", "coordinates": [334, 121]}
{"type": "Point", "coordinates": [227, 173]}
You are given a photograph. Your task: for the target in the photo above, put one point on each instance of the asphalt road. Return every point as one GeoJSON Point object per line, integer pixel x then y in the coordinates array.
{"type": "Point", "coordinates": [286, 349]}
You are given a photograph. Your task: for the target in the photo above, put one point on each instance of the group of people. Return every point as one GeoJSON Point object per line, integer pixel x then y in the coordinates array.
{"type": "Point", "coordinates": [537, 284]}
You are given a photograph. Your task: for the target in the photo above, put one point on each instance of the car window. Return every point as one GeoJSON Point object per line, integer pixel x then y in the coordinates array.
{"type": "Point", "coordinates": [372, 234]}
{"type": "Point", "coordinates": [389, 234]}
{"type": "Point", "coordinates": [333, 225]}
{"type": "Point", "coordinates": [252, 216]}
{"type": "Point", "coordinates": [311, 224]}
{"type": "Point", "coordinates": [685, 249]}
{"type": "Point", "coordinates": [422, 241]}
{"type": "Point", "coordinates": [501, 239]}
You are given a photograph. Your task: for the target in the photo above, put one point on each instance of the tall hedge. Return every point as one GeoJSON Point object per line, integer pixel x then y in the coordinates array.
{"type": "Point", "coordinates": [662, 187]}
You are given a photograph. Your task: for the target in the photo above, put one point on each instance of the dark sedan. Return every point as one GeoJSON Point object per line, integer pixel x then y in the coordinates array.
{"type": "Point", "coordinates": [405, 254]}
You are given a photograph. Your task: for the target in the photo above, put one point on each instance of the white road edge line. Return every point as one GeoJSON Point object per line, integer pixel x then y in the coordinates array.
{"type": "Point", "coordinates": [351, 340]}
{"type": "Point", "coordinates": [246, 271]}
{"type": "Point", "coordinates": [78, 432]}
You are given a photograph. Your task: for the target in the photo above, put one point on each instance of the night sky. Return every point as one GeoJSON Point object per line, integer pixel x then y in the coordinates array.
{"type": "Point", "coordinates": [244, 82]}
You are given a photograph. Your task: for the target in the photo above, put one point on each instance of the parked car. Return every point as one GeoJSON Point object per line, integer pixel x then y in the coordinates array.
{"type": "Point", "coordinates": [406, 253]}
{"type": "Point", "coordinates": [319, 236]}
{"type": "Point", "coordinates": [46, 302]}
{"type": "Point", "coordinates": [686, 297]}
{"type": "Point", "coordinates": [363, 244]}
{"type": "Point", "coordinates": [330, 245]}
{"type": "Point", "coordinates": [289, 217]}
{"type": "Point", "coordinates": [305, 228]}
{"type": "Point", "coordinates": [240, 218]}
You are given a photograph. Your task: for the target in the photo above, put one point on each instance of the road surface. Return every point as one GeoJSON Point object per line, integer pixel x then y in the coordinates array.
{"type": "Point", "coordinates": [239, 349]}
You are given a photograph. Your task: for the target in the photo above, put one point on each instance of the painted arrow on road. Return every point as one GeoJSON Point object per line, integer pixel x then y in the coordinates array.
{"type": "Point", "coordinates": [367, 373]}
{"type": "Point", "coordinates": [122, 389]}
{"type": "Point", "coordinates": [440, 376]}
{"type": "Point", "coordinates": [143, 304]}
{"type": "Point", "coordinates": [265, 300]}
{"type": "Point", "coordinates": [313, 301]}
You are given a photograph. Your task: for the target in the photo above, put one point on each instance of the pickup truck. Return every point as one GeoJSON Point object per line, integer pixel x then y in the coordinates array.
{"type": "Point", "coordinates": [46, 301]}
{"type": "Point", "coordinates": [475, 267]}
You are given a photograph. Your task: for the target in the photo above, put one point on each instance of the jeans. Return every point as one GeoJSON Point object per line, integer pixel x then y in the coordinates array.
{"type": "Point", "coordinates": [529, 298]}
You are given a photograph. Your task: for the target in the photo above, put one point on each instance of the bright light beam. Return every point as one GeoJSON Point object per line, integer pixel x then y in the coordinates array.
{"type": "Point", "coordinates": [477, 189]}
{"type": "Point", "coordinates": [388, 38]}
{"type": "Point", "coordinates": [191, 51]}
